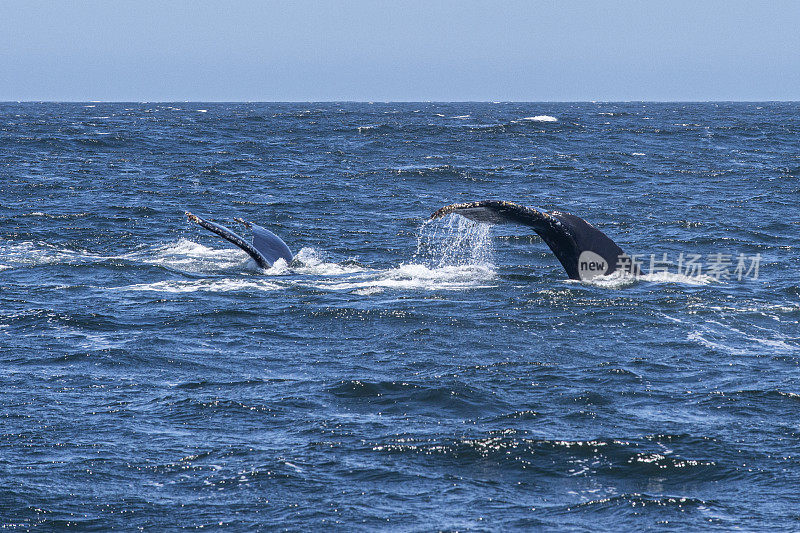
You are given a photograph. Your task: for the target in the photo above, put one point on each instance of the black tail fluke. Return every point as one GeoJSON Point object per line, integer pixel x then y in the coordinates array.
{"type": "Point", "coordinates": [584, 251]}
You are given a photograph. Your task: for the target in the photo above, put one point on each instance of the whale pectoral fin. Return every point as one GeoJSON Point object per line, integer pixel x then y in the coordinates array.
{"type": "Point", "coordinates": [233, 238]}
{"type": "Point", "coordinates": [583, 250]}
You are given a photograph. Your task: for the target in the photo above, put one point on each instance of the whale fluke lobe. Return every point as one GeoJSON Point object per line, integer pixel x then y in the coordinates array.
{"type": "Point", "coordinates": [270, 245]}
{"type": "Point", "coordinates": [583, 250]}
{"type": "Point", "coordinates": [266, 248]}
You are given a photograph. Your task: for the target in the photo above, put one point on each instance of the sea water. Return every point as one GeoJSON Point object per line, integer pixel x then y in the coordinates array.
{"type": "Point", "coordinates": [398, 374]}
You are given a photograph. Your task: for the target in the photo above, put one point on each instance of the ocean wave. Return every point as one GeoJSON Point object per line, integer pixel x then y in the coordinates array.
{"type": "Point", "coordinates": [679, 503]}
{"type": "Point", "coordinates": [310, 261]}
{"type": "Point", "coordinates": [562, 458]}
{"type": "Point", "coordinates": [204, 384]}
{"type": "Point", "coordinates": [423, 399]}
{"type": "Point", "coordinates": [412, 277]}
{"type": "Point", "coordinates": [53, 216]}
{"type": "Point", "coordinates": [364, 129]}
{"type": "Point", "coordinates": [29, 253]}
{"type": "Point", "coordinates": [206, 285]}
{"type": "Point", "coordinates": [189, 256]}
{"type": "Point", "coordinates": [437, 171]}
{"type": "Point", "coordinates": [722, 337]}
{"type": "Point", "coordinates": [620, 279]}
{"type": "Point", "coordinates": [614, 113]}
{"type": "Point", "coordinates": [541, 118]}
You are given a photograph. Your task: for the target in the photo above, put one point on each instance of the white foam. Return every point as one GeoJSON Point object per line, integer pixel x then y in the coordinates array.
{"type": "Point", "coordinates": [89, 341]}
{"type": "Point", "coordinates": [413, 277]}
{"type": "Point", "coordinates": [311, 262]}
{"type": "Point", "coordinates": [620, 279]}
{"type": "Point", "coordinates": [183, 255]}
{"type": "Point", "coordinates": [462, 117]}
{"type": "Point", "coordinates": [721, 336]}
{"type": "Point", "coordinates": [615, 280]}
{"type": "Point", "coordinates": [671, 277]}
{"type": "Point", "coordinates": [190, 256]}
{"type": "Point", "coordinates": [279, 267]}
{"type": "Point", "coordinates": [712, 334]}
{"type": "Point", "coordinates": [541, 118]}
{"type": "Point", "coordinates": [203, 285]}
{"type": "Point", "coordinates": [368, 291]}
{"type": "Point", "coordinates": [29, 253]}
{"type": "Point", "coordinates": [202, 110]}
{"type": "Point", "coordinates": [768, 310]}
{"type": "Point", "coordinates": [452, 254]}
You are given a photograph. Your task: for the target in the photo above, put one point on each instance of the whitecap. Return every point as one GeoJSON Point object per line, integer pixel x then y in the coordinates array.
{"type": "Point", "coordinates": [619, 279]}
{"type": "Point", "coordinates": [541, 118]}
{"type": "Point", "coordinates": [33, 254]}
{"type": "Point", "coordinates": [672, 277]}
{"type": "Point", "coordinates": [205, 285]}
{"type": "Point", "coordinates": [726, 338]}
{"type": "Point", "coordinates": [190, 256]}
{"type": "Point", "coordinates": [615, 280]}
{"type": "Point", "coordinates": [311, 262]}
{"type": "Point", "coordinates": [414, 277]}
{"type": "Point", "coordinates": [368, 291]}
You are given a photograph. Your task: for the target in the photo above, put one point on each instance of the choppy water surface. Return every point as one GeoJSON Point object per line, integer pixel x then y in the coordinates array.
{"type": "Point", "coordinates": [398, 374]}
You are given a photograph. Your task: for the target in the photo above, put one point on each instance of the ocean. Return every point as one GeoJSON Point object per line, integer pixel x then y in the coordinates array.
{"type": "Point", "coordinates": [399, 374]}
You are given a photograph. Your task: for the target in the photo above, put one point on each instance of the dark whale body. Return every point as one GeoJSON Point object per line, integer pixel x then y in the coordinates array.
{"type": "Point", "coordinates": [583, 250]}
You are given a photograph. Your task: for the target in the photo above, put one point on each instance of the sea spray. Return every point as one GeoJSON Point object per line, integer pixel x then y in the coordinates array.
{"type": "Point", "coordinates": [454, 241]}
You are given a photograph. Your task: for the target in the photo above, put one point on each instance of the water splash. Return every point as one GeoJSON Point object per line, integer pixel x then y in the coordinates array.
{"type": "Point", "coordinates": [620, 279]}
{"type": "Point", "coordinates": [454, 241]}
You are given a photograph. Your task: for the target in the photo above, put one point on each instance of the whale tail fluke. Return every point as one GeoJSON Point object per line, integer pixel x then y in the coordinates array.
{"type": "Point", "coordinates": [265, 249]}
{"type": "Point", "coordinates": [583, 250]}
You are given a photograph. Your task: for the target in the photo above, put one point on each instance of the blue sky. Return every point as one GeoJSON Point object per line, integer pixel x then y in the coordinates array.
{"type": "Point", "coordinates": [399, 51]}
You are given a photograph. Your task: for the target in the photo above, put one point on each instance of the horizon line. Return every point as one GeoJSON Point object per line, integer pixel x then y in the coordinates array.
{"type": "Point", "coordinates": [34, 101]}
